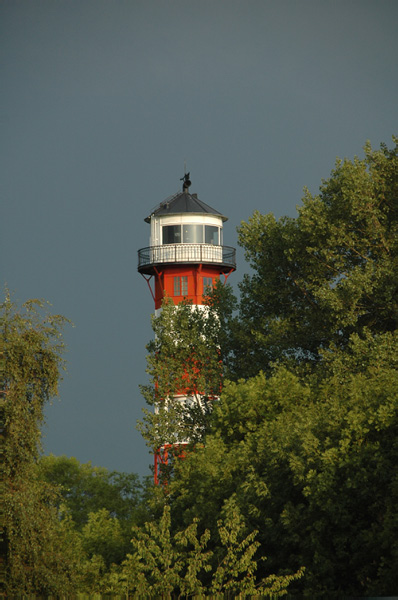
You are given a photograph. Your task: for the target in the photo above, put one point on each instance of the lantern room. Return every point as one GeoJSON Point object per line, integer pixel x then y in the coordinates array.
{"type": "Point", "coordinates": [186, 254]}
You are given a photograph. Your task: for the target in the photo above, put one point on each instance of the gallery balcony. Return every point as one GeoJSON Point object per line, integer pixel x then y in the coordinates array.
{"type": "Point", "coordinates": [169, 254]}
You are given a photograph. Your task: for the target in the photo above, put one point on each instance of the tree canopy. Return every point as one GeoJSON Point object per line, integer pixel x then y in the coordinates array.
{"type": "Point", "coordinates": [85, 489]}
{"type": "Point", "coordinates": [310, 462]}
{"type": "Point", "coordinates": [326, 274]}
{"type": "Point", "coordinates": [31, 343]}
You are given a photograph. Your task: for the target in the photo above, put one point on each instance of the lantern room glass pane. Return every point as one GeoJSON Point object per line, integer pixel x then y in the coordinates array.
{"type": "Point", "coordinates": [171, 234]}
{"type": "Point", "coordinates": [212, 235]}
{"type": "Point", "coordinates": [192, 234]}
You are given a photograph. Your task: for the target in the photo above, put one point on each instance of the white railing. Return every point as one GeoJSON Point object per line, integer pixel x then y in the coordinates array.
{"type": "Point", "coordinates": [186, 253]}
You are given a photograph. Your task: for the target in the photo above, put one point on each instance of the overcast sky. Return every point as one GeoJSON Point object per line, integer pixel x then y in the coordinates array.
{"type": "Point", "coordinates": [103, 102]}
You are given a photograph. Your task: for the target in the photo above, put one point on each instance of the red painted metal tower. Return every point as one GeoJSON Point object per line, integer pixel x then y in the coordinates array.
{"type": "Point", "coordinates": [185, 257]}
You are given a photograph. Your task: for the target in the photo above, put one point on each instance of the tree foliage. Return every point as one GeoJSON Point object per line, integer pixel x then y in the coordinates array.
{"type": "Point", "coordinates": [326, 274]}
{"type": "Point", "coordinates": [310, 462]}
{"type": "Point", "coordinates": [32, 346]}
{"type": "Point", "coordinates": [102, 505]}
{"type": "Point", "coordinates": [184, 361]}
{"type": "Point", "coordinates": [86, 489]}
{"type": "Point", "coordinates": [165, 564]}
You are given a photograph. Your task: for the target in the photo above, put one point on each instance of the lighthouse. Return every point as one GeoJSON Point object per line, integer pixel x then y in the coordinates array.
{"type": "Point", "coordinates": [185, 257]}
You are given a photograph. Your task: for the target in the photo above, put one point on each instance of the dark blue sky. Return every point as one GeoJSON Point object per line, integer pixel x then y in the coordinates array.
{"type": "Point", "coordinates": [102, 102]}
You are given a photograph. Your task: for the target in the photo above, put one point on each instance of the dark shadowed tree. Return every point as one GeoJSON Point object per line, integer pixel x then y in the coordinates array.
{"type": "Point", "coordinates": [102, 505]}
{"type": "Point", "coordinates": [84, 489]}
{"type": "Point", "coordinates": [311, 463]}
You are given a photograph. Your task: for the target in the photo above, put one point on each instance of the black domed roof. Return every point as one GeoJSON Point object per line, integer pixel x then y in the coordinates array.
{"type": "Point", "coordinates": [183, 202]}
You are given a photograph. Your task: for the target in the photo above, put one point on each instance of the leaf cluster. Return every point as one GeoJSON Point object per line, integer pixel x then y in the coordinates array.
{"type": "Point", "coordinates": [166, 564]}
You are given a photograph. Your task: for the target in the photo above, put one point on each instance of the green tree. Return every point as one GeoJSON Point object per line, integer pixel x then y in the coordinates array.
{"type": "Point", "coordinates": [32, 347]}
{"type": "Point", "coordinates": [310, 462]}
{"type": "Point", "coordinates": [102, 536]}
{"type": "Point", "coordinates": [166, 564]}
{"type": "Point", "coordinates": [184, 359]}
{"type": "Point", "coordinates": [326, 274]}
{"type": "Point", "coordinates": [86, 489]}
{"type": "Point", "coordinates": [102, 507]}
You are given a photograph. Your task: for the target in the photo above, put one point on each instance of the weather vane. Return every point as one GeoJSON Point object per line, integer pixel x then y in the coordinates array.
{"type": "Point", "coordinates": [187, 182]}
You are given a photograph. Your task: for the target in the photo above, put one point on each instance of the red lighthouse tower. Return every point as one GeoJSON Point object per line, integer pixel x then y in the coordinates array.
{"type": "Point", "coordinates": [185, 257]}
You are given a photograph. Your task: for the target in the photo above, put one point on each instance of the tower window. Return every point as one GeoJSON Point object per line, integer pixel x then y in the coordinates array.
{"type": "Point", "coordinates": [207, 284]}
{"type": "Point", "coordinates": [181, 286]}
